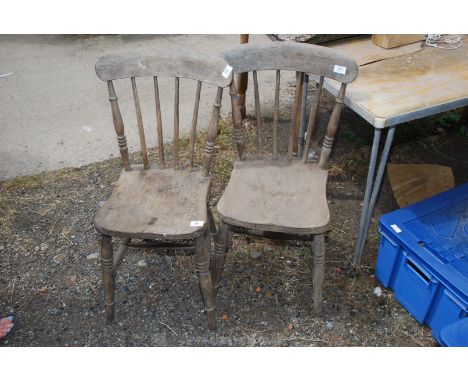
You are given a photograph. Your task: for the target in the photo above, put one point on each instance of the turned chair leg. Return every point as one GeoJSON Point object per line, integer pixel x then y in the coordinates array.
{"type": "Point", "coordinates": [318, 271]}
{"type": "Point", "coordinates": [202, 261]}
{"type": "Point", "coordinates": [220, 246]}
{"type": "Point", "coordinates": [108, 276]}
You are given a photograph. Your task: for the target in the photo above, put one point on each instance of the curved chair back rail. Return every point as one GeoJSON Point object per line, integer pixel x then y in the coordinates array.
{"type": "Point", "coordinates": [183, 63]}
{"type": "Point", "coordinates": [305, 58]}
{"type": "Point", "coordinates": [176, 63]}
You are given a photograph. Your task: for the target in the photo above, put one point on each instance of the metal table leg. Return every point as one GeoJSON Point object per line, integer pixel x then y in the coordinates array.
{"type": "Point", "coordinates": [367, 194]}
{"type": "Point", "coordinates": [371, 193]}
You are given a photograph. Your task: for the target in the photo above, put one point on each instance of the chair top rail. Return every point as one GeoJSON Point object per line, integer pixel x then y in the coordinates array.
{"type": "Point", "coordinates": [306, 58]}
{"type": "Point", "coordinates": [184, 63]}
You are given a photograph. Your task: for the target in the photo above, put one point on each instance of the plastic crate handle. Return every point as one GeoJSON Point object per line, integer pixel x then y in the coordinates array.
{"type": "Point", "coordinates": [389, 239]}
{"type": "Point", "coordinates": [456, 300]}
{"type": "Point", "coordinates": [420, 271]}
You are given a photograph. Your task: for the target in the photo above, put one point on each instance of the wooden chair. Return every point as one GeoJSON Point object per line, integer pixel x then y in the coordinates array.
{"type": "Point", "coordinates": [281, 195]}
{"type": "Point", "coordinates": [153, 206]}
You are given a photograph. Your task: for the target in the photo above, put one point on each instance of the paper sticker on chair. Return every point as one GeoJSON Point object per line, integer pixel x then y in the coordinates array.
{"type": "Point", "coordinates": [197, 223]}
{"type": "Point", "coordinates": [227, 71]}
{"type": "Point", "coordinates": [339, 69]}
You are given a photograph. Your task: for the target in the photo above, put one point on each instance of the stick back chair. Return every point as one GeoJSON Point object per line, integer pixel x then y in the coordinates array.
{"type": "Point", "coordinates": [281, 195]}
{"type": "Point", "coordinates": [153, 206]}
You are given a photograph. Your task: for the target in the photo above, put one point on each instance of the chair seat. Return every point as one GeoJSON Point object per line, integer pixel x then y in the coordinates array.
{"type": "Point", "coordinates": [156, 204]}
{"type": "Point", "coordinates": [276, 196]}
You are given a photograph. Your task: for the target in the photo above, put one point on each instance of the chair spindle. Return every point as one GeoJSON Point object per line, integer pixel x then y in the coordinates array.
{"type": "Point", "coordinates": [312, 120]}
{"type": "Point", "coordinates": [293, 133]}
{"type": "Point", "coordinates": [332, 127]}
{"type": "Point", "coordinates": [176, 125]}
{"type": "Point", "coordinates": [276, 116]}
{"type": "Point", "coordinates": [258, 113]}
{"type": "Point", "coordinates": [159, 131]}
{"type": "Point", "coordinates": [305, 88]}
{"type": "Point", "coordinates": [212, 133]}
{"type": "Point", "coordinates": [237, 119]}
{"type": "Point", "coordinates": [193, 130]}
{"type": "Point", "coordinates": [141, 130]}
{"type": "Point", "coordinates": [119, 126]}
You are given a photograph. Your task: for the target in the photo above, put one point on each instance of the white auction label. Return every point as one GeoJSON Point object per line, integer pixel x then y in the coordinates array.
{"type": "Point", "coordinates": [396, 228]}
{"type": "Point", "coordinates": [339, 69]}
{"type": "Point", "coordinates": [227, 71]}
{"type": "Point", "coordinates": [197, 223]}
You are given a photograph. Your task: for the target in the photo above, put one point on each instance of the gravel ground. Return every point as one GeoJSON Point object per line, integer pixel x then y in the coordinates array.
{"type": "Point", "coordinates": [50, 273]}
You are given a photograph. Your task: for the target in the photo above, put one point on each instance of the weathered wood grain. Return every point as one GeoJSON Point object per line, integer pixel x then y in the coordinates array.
{"type": "Point", "coordinates": [404, 88]}
{"type": "Point", "coordinates": [141, 130]}
{"type": "Point", "coordinates": [119, 126]}
{"type": "Point", "coordinates": [332, 127]}
{"type": "Point", "coordinates": [276, 196]}
{"type": "Point", "coordinates": [159, 129]}
{"type": "Point", "coordinates": [162, 204]}
{"type": "Point", "coordinates": [183, 63]}
{"type": "Point", "coordinates": [202, 262]}
{"type": "Point", "coordinates": [242, 80]}
{"type": "Point", "coordinates": [312, 119]}
{"type": "Point", "coordinates": [219, 253]}
{"type": "Point", "coordinates": [310, 59]}
{"type": "Point", "coordinates": [282, 196]}
{"type": "Point", "coordinates": [318, 271]}
{"type": "Point", "coordinates": [175, 141]}
{"type": "Point", "coordinates": [156, 204]}
{"type": "Point", "coordinates": [193, 129]}
{"type": "Point", "coordinates": [108, 277]}
{"type": "Point", "coordinates": [276, 115]}
{"type": "Point", "coordinates": [238, 133]}
{"type": "Point", "coordinates": [258, 114]}
{"type": "Point", "coordinates": [212, 133]}
{"type": "Point", "coordinates": [295, 117]}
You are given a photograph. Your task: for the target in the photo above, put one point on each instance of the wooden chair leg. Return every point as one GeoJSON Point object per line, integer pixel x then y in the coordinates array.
{"type": "Point", "coordinates": [229, 240]}
{"type": "Point", "coordinates": [318, 271]}
{"type": "Point", "coordinates": [108, 276]}
{"type": "Point", "coordinates": [211, 222]}
{"type": "Point", "coordinates": [202, 261]}
{"type": "Point", "coordinates": [220, 246]}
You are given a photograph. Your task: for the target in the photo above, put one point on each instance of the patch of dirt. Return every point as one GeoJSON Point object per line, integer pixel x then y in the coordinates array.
{"type": "Point", "coordinates": [50, 276]}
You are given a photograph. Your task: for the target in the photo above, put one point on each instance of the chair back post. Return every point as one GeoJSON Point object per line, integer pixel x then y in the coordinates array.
{"type": "Point", "coordinates": [119, 126]}
{"type": "Point", "coordinates": [212, 132]}
{"type": "Point", "coordinates": [332, 127]}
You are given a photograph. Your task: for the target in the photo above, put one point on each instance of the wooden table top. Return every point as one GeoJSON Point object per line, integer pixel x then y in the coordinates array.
{"type": "Point", "coordinates": [409, 86]}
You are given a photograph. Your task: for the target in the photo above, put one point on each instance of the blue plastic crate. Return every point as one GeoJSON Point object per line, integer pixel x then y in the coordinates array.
{"type": "Point", "coordinates": [423, 257]}
{"type": "Point", "coordinates": [455, 334]}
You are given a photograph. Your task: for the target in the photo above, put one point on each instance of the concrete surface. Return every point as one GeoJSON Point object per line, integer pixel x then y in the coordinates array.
{"type": "Point", "coordinates": [54, 111]}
